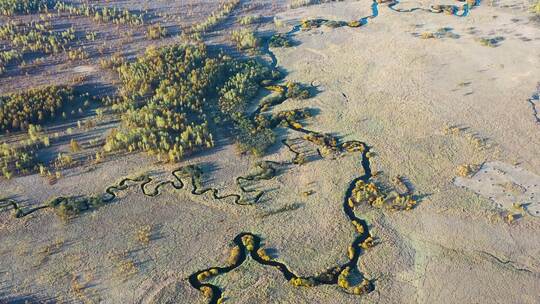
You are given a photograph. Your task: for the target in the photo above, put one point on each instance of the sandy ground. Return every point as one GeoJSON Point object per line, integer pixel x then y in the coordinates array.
{"type": "Point", "coordinates": [382, 84]}
{"type": "Point", "coordinates": [398, 92]}
{"type": "Point", "coordinates": [506, 186]}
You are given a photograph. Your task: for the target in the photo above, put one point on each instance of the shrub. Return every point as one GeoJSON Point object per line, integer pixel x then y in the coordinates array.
{"type": "Point", "coordinates": [74, 146]}
{"type": "Point", "coordinates": [13, 7]}
{"type": "Point", "coordinates": [296, 90]}
{"type": "Point", "coordinates": [467, 170]}
{"type": "Point", "coordinates": [19, 110]}
{"type": "Point", "coordinates": [261, 252]}
{"type": "Point", "coordinates": [21, 158]}
{"type": "Point", "coordinates": [245, 39]}
{"type": "Point", "coordinates": [334, 24]}
{"type": "Point", "coordinates": [77, 54]}
{"type": "Point", "coordinates": [241, 86]}
{"type": "Point", "coordinates": [37, 36]}
{"type": "Point", "coordinates": [302, 282]}
{"type": "Point", "coordinates": [17, 160]}
{"type": "Point", "coordinates": [300, 3]}
{"type": "Point", "coordinates": [246, 20]}
{"type": "Point", "coordinates": [91, 36]}
{"type": "Point", "coordinates": [367, 243]}
{"type": "Point", "coordinates": [280, 40]}
{"type": "Point", "coordinates": [144, 234]}
{"type": "Point", "coordinates": [169, 94]}
{"type": "Point", "coordinates": [7, 57]}
{"type": "Point", "coordinates": [490, 42]}
{"type": "Point", "coordinates": [365, 287]}
{"type": "Point", "coordinates": [69, 207]}
{"type": "Point", "coordinates": [159, 130]}
{"type": "Point", "coordinates": [343, 278]}
{"type": "Point", "coordinates": [156, 31]}
{"type": "Point", "coordinates": [101, 14]}
{"type": "Point", "coordinates": [116, 60]}
{"type": "Point", "coordinates": [249, 242]}
{"type": "Point", "coordinates": [207, 292]}
{"type": "Point", "coordinates": [427, 35]}
{"type": "Point", "coordinates": [535, 9]}
{"type": "Point", "coordinates": [234, 255]}
{"type": "Point", "coordinates": [216, 17]}
{"type": "Point", "coordinates": [252, 137]}
{"type": "Point", "coordinates": [291, 115]}
{"type": "Point", "coordinates": [307, 24]}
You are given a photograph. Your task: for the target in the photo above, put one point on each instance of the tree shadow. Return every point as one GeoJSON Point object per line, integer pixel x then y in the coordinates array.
{"type": "Point", "coordinates": [27, 299]}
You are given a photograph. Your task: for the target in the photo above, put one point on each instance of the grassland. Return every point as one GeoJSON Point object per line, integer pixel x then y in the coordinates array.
{"type": "Point", "coordinates": [268, 151]}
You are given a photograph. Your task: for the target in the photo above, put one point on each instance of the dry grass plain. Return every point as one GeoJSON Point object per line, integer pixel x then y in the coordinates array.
{"type": "Point", "coordinates": [436, 102]}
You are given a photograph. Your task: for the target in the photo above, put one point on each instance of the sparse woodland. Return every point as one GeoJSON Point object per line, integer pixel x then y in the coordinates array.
{"type": "Point", "coordinates": [8, 57]}
{"type": "Point", "coordinates": [216, 17]}
{"type": "Point", "coordinates": [14, 7]}
{"type": "Point", "coordinates": [245, 39]}
{"type": "Point", "coordinates": [171, 101]}
{"type": "Point", "coordinates": [37, 37]}
{"type": "Point", "coordinates": [101, 14]}
{"type": "Point", "coordinates": [171, 97]}
{"type": "Point", "coordinates": [21, 158]}
{"type": "Point", "coordinates": [35, 106]}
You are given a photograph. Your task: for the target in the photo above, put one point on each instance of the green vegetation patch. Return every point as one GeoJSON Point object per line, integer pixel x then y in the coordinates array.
{"type": "Point", "coordinates": [21, 158]}
{"type": "Point", "coordinates": [297, 91]}
{"type": "Point", "coordinates": [8, 57]}
{"type": "Point", "coordinates": [156, 31]}
{"type": "Point", "coordinates": [245, 39]}
{"type": "Point", "coordinates": [37, 36]}
{"type": "Point", "coordinates": [280, 40]}
{"type": "Point", "coordinates": [246, 20]}
{"type": "Point", "coordinates": [15, 7]}
{"type": "Point", "coordinates": [216, 17]}
{"type": "Point", "coordinates": [17, 160]}
{"type": "Point", "coordinates": [172, 96]}
{"type": "Point", "coordinates": [35, 106]}
{"type": "Point", "coordinates": [491, 42]}
{"type": "Point", "coordinates": [70, 207]}
{"type": "Point", "coordinates": [101, 14]}
{"type": "Point", "coordinates": [535, 9]}
{"type": "Point", "coordinates": [300, 3]}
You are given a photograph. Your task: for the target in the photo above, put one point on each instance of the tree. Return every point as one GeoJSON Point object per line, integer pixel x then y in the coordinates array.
{"type": "Point", "coordinates": [74, 146]}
